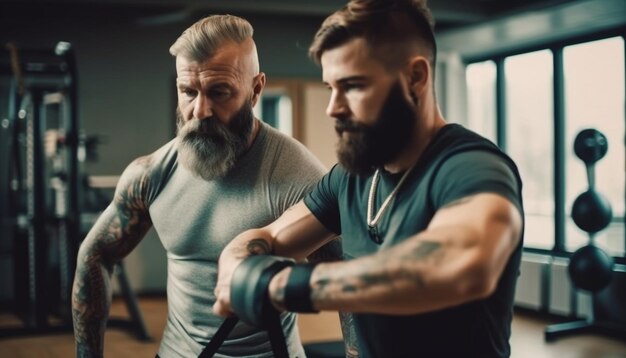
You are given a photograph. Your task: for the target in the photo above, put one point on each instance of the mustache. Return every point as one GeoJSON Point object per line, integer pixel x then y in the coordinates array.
{"type": "Point", "coordinates": [348, 125]}
{"type": "Point", "coordinates": [206, 127]}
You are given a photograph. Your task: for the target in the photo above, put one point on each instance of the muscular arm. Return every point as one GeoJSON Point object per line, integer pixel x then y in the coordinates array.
{"type": "Point", "coordinates": [297, 233]}
{"type": "Point", "coordinates": [117, 231]}
{"type": "Point", "coordinates": [458, 258]}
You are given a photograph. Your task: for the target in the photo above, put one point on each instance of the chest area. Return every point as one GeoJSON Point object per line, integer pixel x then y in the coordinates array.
{"type": "Point", "coordinates": [196, 218]}
{"type": "Point", "coordinates": [395, 212]}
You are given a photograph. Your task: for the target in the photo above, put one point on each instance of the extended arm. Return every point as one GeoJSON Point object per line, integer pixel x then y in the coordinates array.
{"type": "Point", "coordinates": [296, 233]}
{"type": "Point", "coordinates": [458, 258]}
{"type": "Point", "coordinates": [117, 231]}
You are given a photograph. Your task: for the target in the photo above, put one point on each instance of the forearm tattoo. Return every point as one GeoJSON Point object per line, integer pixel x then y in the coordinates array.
{"type": "Point", "coordinates": [119, 229]}
{"type": "Point", "coordinates": [258, 247]}
{"type": "Point", "coordinates": [386, 270]}
{"type": "Point", "coordinates": [349, 334]}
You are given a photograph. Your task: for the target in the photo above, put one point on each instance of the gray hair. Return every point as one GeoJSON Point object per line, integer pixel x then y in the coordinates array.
{"type": "Point", "coordinates": [201, 40]}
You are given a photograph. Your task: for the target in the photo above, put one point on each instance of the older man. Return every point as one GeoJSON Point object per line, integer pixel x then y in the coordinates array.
{"type": "Point", "coordinates": [225, 172]}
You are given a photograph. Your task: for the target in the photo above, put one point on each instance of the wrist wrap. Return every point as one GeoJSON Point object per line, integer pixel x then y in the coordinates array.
{"type": "Point", "coordinates": [298, 289]}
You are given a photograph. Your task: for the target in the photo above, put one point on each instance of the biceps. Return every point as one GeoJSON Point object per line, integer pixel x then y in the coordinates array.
{"type": "Point", "coordinates": [489, 220]}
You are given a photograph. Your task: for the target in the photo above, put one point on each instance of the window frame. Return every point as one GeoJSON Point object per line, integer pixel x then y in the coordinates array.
{"type": "Point", "coordinates": [556, 47]}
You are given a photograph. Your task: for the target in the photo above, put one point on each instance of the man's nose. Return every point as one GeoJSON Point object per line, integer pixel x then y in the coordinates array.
{"type": "Point", "coordinates": [202, 108]}
{"type": "Point", "coordinates": [337, 106]}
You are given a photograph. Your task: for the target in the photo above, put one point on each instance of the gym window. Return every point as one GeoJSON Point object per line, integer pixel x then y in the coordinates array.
{"type": "Point", "coordinates": [533, 103]}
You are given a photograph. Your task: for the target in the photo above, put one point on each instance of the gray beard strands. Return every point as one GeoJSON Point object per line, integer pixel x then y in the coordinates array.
{"type": "Point", "coordinates": [209, 148]}
{"type": "Point", "coordinates": [372, 146]}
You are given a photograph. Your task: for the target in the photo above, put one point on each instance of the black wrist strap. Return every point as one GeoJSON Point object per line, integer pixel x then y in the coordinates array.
{"type": "Point", "coordinates": [298, 289]}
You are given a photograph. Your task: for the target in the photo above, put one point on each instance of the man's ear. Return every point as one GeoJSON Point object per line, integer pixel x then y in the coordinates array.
{"type": "Point", "coordinates": [259, 84]}
{"type": "Point", "coordinates": [419, 75]}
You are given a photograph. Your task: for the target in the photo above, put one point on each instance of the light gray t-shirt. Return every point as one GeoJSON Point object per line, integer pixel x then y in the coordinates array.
{"type": "Point", "coordinates": [195, 219]}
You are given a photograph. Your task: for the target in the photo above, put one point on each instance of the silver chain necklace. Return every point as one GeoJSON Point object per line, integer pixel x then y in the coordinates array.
{"type": "Point", "coordinates": [372, 223]}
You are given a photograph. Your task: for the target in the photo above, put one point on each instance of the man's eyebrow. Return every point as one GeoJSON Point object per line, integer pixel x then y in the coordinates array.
{"type": "Point", "coordinates": [349, 79]}
{"type": "Point", "coordinates": [352, 78]}
{"type": "Point", "coordinates": [187, 84]}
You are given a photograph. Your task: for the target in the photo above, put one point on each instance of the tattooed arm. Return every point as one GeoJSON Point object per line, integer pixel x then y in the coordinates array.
{"type": "Point", "coordinates": [349, 334]}
{"type": "Point", "coordinates": [332, 252]}
{"type": "Point", "coordinates": [297, 233]}
{"type": "Point", "coordinates": [458, 258]}
{"type": "Point", "coordinates": [117, 231]}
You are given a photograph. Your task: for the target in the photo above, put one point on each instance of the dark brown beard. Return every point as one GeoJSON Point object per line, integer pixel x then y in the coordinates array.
{"type": "Point", "coordinates": [372, 146]}
{"type": "Point", "coordinates": [208, 147]}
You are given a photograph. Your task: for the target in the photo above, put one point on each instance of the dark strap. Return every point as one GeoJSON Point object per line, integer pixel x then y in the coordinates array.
{"type": "Point", "coordinates": [270, 317]}
{"type": "Point", "coordinates": [277, 337]}
{"type": "Point", "coordinates": [219, 337]}
{"type": "Point", "coordinates": [274, 330]}
{"type": "Point", "coordinates": [248, 288]}
{"type": "Point", "coordinates": [298, 289]}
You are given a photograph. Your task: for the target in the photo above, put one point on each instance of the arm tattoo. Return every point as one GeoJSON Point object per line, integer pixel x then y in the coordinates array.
{"type": "Point", "coordinates": [349, 334]}
{"type": "Point", "coordinates": [389, 272]}
{"type": "Point", "coordinates": [258, 247]}
{"type": "Point", "coordinates": [118, 230]}
{"type": "Point", "coordinates": [423, 251]}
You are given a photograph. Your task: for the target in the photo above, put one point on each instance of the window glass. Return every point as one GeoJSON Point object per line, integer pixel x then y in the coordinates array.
{"type": "Point", "coordinates": [481, 98]}
{"type": "Point", "coordinates": [275, 109]}
{"type": "Point", "coordinates": [594, 98]}
{"type": "Point", "coordinates": [530, 139]}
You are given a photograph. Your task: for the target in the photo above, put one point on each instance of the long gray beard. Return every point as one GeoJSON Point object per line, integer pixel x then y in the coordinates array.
{"type": "Point", "coordinates": [210, 149]}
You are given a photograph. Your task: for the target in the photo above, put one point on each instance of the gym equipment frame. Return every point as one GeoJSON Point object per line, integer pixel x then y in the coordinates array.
{"type": "Point", "coordinates": [40, 181]}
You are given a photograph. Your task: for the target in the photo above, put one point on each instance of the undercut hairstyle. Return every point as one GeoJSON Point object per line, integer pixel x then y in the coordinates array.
{"type": "Point", "coordinates": [201, 40]}
{"type": "Point", "coordinates": [393, 30]}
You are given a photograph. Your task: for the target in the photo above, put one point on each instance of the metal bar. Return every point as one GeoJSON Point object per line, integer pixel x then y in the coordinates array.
{"type": "Point", "coordinates": [131, 304]}
{"type": "Point", "coordinates": [559, 149]}
{"type": "Point", "coordinates": [37, 315]}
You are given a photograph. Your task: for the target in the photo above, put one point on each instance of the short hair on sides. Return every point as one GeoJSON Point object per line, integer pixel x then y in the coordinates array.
{"type": "Point", "coordinates": [202, 39]}
{"type": "Point", "coordinates": [393, 30]}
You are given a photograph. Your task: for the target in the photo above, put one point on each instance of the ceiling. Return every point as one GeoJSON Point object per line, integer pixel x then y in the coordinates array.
{"type": "Point", "coordinates": [449, 14]}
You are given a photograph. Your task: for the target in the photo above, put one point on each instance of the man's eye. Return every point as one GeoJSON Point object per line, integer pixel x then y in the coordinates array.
{"type": "Point", "coordinates": [189, 92]}
{"type": "Point", "coordinates": [351, 86]}
{"type": "Point", "coordinates": [220, 95]}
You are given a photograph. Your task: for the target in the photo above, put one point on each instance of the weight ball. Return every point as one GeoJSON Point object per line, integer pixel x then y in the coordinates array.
{"type": "Point", "coordinates": [590, 268]}
{"type": "Point", "coordinates": [591, 211]}
{"type": "Point", "coordinates": [590, 145]}
{"type": "Point", "coordinates": [249, 288]}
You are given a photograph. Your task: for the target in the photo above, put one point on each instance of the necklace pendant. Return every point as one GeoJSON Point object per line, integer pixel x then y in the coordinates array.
{"type": "Point", "coordinates": [374, 235]}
